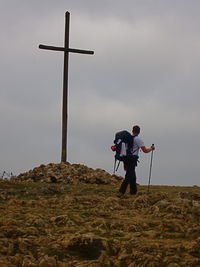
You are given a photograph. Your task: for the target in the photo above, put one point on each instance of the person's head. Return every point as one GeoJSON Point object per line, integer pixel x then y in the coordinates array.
{"type": "Point", "coordinates": [136, 130]}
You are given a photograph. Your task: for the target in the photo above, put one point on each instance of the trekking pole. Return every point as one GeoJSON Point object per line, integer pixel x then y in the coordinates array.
{"type": "Point", "coordinates": [116, 168]}
{"type": "Point", "coordinates": [150, 169]}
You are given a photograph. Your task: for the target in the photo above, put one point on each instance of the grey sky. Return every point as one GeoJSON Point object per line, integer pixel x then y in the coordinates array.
{"type": "Point", "coordinates": [145, 71]}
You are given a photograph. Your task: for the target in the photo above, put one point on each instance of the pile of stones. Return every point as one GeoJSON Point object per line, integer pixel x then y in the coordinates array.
{"type": "Point", "coordinates": [67, 173]}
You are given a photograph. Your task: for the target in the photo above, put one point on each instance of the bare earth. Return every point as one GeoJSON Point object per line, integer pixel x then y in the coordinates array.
{"type": "Point", "coordinates": [69, 215]}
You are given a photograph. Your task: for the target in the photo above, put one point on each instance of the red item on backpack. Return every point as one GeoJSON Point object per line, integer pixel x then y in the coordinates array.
{"type": "Point", "coordinates": [113, 148]}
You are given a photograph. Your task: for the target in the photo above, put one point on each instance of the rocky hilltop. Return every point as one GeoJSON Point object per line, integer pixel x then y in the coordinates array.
{"type": "Point", "coordinates": [67, 173]}
{"type": "Point", "coordinates": [68, 215]}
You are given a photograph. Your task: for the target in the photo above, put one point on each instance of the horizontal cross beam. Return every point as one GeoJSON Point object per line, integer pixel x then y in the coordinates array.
{"type": "Point", "coordinates": [55, 48]}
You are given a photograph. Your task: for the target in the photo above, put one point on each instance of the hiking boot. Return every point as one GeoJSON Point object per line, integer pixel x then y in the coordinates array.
{"type": "Point", "coordinates": [119, 194]}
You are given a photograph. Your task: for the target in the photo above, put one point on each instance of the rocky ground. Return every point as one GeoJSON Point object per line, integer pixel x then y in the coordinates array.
{"type": "Point", "coordinates": [69, 215]}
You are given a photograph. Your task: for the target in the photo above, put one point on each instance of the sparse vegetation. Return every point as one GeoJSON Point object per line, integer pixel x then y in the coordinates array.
{"type": "Point", "coordinates": [72, 222]}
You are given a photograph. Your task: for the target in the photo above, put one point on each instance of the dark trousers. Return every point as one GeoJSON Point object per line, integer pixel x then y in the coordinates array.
{"type": "Point", "coordinates": [130, 177]}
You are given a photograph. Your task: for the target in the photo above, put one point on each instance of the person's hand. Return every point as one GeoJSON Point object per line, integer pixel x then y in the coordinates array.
{"type": "Point", "coordinates": [152, 147]}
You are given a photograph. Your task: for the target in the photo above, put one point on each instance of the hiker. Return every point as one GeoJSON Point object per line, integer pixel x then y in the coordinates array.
{"type": "Point", "coordinates": [131, 163]}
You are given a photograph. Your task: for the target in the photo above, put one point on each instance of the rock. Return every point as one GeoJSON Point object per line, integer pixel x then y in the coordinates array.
{"type": "Point", "coordinates": [67, 173]}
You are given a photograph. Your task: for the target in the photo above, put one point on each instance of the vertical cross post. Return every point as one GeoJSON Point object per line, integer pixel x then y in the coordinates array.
{"type": "Point", "coordinates": [65, 91]}
{"type": "Point", "coordinates": [66, 51]}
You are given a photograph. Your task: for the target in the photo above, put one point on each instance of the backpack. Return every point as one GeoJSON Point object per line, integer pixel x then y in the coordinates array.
{"type": "Point", "coordinates": [123, 147]}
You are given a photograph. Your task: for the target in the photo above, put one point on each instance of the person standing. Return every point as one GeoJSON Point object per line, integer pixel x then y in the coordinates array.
{"type": "Point", "coordinates": [131, 163]}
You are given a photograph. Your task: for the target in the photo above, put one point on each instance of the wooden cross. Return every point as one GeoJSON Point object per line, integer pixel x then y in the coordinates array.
{"type": "Point", "coordinates": [66, 51]}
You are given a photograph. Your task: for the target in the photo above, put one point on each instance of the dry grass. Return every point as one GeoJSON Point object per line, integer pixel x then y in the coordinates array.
{"type": "Point", "coordinates": [46, 224]}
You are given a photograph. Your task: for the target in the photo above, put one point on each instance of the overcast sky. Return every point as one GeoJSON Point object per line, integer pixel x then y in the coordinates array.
{"type": "Point", "coordinates": [145, 71]}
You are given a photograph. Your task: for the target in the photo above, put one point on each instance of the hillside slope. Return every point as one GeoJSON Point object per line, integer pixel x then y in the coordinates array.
{"type": "Point", "coordinates": [69, 215]}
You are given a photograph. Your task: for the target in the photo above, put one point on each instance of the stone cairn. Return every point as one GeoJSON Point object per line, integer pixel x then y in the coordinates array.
{"type": "Point", "coordinates": [67, 173]}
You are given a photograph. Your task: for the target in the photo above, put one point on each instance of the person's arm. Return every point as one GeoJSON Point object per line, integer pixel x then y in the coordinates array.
{"type": "Point", "coordinates": [147, 150]}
